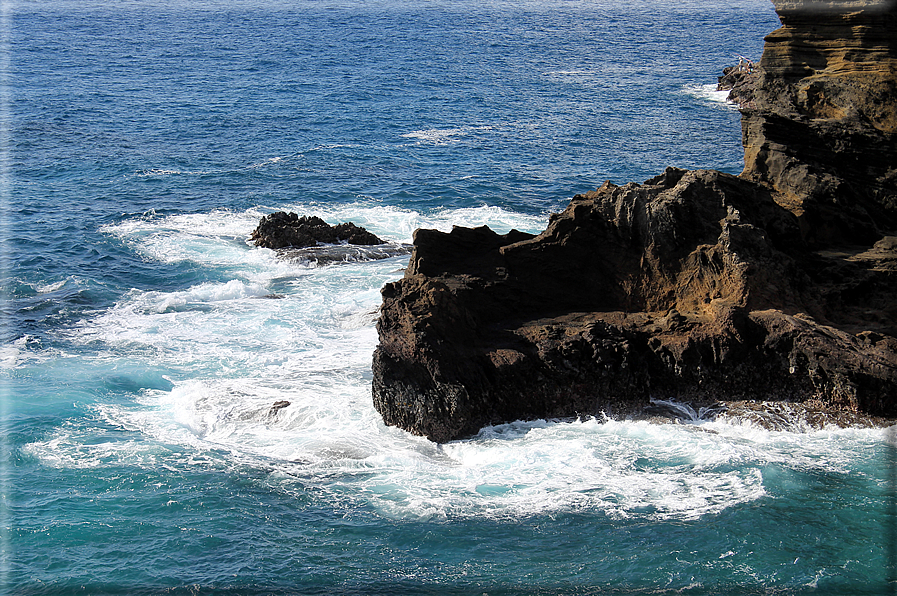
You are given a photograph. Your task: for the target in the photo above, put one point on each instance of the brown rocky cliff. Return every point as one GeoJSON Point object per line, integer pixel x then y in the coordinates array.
{"type": "Point", "coordinates": [693, 286]}
{"type": "Point", "coordinates": [822, 127]}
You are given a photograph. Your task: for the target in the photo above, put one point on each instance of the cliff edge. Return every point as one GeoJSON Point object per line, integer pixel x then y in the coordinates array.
{"type": "Point", "coordinates": [822, 127]}
{"type": "Point", "coordinates": [773, 287]}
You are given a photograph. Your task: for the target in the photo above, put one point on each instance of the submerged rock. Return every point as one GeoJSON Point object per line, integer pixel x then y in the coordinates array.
{"type": "Point", "coordinates": [278, 406]}
{"type": "Point", "coordinates": [695, 287]}
{"type": "Point", "coordinates": [323, 255]}
{"type": "Point", "coordinates": [282, 230]}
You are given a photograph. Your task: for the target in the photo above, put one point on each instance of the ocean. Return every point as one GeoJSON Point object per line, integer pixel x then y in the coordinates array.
{"type": "Point", "coordinates": [145, 340]}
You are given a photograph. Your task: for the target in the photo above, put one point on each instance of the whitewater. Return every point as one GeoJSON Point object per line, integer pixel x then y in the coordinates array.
{"type": "Point", "coordinates": [186, 413]}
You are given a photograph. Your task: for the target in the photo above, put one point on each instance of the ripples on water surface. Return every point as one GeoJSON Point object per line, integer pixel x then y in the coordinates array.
{"type": "Point", "coordinates": [146, 343]}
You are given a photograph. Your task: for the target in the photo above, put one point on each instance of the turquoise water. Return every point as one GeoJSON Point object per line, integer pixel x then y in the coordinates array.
{"type": "Point", "coordinates": [145, 341]}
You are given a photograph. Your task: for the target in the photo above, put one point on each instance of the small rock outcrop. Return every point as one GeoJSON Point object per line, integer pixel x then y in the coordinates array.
{"type": "Point", "coordinates": [699, 287]}
{"type": "Point", "coordinates": [288, 230]}
{"type": "Point", "coordinates": [740, 81]}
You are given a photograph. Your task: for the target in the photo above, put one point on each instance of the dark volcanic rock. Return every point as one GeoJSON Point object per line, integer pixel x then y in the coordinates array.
{"type": "Point", "coordinates": [278, 406]}
{"type": "Point", "coordinates": [696, 287]}
{"type": "Point", "coordinates": [282, 230]}
{"type": "Point", "coordinates": [740, 81]}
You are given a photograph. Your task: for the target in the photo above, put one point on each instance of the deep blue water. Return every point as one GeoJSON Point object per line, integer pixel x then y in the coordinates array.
{"type": "Point", "coordinates": [142, 350]}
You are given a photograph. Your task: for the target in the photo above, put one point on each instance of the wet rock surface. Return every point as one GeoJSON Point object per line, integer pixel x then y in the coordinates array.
{"type": "Point", "coordinates": [695, 287]}
{"type": "Point", "coordinates": [740, 81]}
{"type": "Point", "coordinates": [289, 230]}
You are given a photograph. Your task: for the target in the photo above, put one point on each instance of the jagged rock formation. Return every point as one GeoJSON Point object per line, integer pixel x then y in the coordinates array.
{"type": "Point", "coordinates": [288, 230]}
{"type": "Point", "coordinates": [778, 285]}
{"type": "Point", "coordinates": [740, 81]}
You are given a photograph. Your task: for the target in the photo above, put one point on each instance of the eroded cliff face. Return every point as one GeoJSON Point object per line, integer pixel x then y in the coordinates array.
{"type": "Point", "coordinates": [822, 127]}
{"type": "Point", "coordinates": [778, 285]}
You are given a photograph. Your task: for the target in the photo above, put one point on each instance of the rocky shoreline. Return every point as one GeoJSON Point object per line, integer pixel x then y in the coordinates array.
{"type": "Point", "coordinates": [769, 295]}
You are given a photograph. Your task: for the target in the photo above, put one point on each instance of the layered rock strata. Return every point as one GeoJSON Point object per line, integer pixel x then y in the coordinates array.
{"type": "Point", "coordinates": [822, 127]}
{"type": "Point", "coordinates": [775, 286]}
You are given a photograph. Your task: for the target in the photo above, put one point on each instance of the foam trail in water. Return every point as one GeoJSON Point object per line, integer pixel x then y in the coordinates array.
{"type": "Point", "coordinates": [444, 136]}
{"type": "Point", "coordinates": [332, 439]}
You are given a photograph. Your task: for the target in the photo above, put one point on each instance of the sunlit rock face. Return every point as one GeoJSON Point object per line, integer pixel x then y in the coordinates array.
{"type": "Point", "coordinates": [822, 129]}
{"type": "Point", "coordinates": [694, 286]}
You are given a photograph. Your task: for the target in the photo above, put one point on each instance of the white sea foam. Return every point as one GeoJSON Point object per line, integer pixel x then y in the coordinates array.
{"type": "Point", "coordinates": [496, 218]}
{"type": "Point", "coordinates": [892, 435]}
{"type": "Point", "coordinates": [268, 162]}
{"type": "Point", "coordinates": [398, 225]}
{"type": "Point", "coordinates": [11, 353]}
{"type": "Point", "coordinates": [220, 237]}
{"type": "Point", "coordinates": [70, 447]}
{"type": "Point", "coordinates": [52, 287]}
{"type": "Point", "coordinates": [219, 223]}
{"type": "Point", "coordinates": [710, 94]}
{"type": "Point", "coordinates": [330, 437]}
{"type": "Point", "coordinates": [26, 351]}
{"type": "Point", "coordinates": [540, 467]}
{"type": "Point", "coordinates": [157, 172]}
{"type": "Point", "coordinates": [235, 351]}
{"type": "Point", "coordinates": [443, 136]}
{"type": "Point", "coordinates": [202, 295]}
